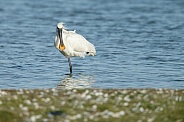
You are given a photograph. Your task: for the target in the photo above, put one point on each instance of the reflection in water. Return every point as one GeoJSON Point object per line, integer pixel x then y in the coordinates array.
{"type": "Point", "coordinates": [79, 81]}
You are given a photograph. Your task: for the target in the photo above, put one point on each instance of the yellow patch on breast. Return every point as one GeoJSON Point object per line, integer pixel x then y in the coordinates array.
{"type": "Point", "coordinates": [62, 47]}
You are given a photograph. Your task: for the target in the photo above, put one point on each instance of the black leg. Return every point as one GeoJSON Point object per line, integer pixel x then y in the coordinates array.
{"type": "Point", "coordinates": [70, 66]}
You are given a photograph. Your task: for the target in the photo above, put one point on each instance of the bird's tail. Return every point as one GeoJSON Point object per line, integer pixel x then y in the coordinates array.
{"type": "Point", "coordinates": [91, 50]}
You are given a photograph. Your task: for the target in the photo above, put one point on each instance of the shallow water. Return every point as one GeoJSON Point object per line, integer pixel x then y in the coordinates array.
{"type": "Point", "coordinates": [140, 44]}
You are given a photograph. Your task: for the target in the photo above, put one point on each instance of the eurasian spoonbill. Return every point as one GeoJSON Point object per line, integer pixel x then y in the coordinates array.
{"type": "Point", "coordinates": [71, 44]}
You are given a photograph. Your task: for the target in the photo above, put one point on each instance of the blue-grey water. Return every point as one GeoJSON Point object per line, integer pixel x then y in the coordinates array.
{"type": "Point", "coordinates": [139, 43]}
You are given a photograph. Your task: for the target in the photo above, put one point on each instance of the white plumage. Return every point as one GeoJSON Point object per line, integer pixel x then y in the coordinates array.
{"type": "Point", "coordinates": [70, 44]}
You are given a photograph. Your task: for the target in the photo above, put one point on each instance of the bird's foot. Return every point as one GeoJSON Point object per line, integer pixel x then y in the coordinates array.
{"type": "Point", "coordinates": [70, 75]}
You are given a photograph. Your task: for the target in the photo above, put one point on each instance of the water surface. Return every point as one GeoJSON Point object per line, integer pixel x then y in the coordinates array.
{"type": "Point", "coordinates": [140, 44]}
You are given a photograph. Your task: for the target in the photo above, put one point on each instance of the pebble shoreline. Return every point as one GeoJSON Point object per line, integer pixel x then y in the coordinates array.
{"type": "Point", "coordinates": [85, 105]}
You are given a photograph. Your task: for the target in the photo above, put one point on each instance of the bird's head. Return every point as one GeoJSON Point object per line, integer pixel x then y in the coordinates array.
{"type": "Point", "coordinates": [60, 25]}
{"type": "Point", "coordinates": [59, 35]}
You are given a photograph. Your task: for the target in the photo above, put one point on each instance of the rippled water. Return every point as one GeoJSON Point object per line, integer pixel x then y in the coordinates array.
{"type": "Point", "coordinates": [140, 44]}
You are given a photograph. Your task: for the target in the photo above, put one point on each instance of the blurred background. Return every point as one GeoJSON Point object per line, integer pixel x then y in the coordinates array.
{"type": "Point", "coordinates": [139, 44]}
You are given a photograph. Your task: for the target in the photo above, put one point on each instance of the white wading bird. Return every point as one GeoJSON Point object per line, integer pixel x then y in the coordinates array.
{"type": "Point", "coordinates": [71, 44]}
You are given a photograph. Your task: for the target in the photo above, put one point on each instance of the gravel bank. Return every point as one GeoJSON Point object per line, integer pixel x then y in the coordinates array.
{"type": "Point", "coordinates": [83, 105]}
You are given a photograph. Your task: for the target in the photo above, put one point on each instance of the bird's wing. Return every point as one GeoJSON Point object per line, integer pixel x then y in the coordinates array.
{"type": "Point", "coordinates": [79, 43]}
